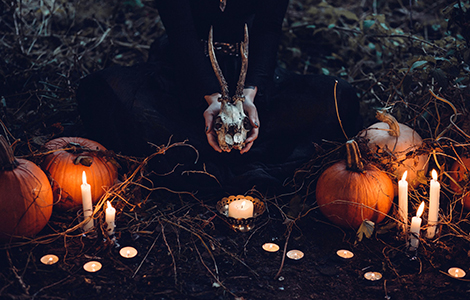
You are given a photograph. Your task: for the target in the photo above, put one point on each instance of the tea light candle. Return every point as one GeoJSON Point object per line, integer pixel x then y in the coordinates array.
{"type": "Point", "coordinates": [403, 201]}
{"type": "Point", "coordinates": [240, 209]}
{"type": "Point", "coordinates": [295, 254]}
{"type": "Point", "coordinates": [271, 247]}
{"type": "Point", "coordinates": [110, 217]}
{"type": "Point", "coordinates": [373, 276]}
{"type": "Point", "coordinates": [433, 217]}
{"type": "Point", "coordinates": [87, 204]}
{"type": "Point", "coordinates": [128, 252]}
{"type": "Point", "coordinates": [456, 272]}
{"type": "Point", "coordinates": [92, 266]}
{"type": "Point", "coordinates": [345, 253]}
{"type": "Point", "coordinates": [415, 228]}
{"type": "Point", "coordinates": [49, 259]}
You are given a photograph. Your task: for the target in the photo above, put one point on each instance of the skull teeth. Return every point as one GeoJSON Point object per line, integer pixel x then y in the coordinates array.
{"type": "Point", "coordinates": [237, 138]}
{"type": "Point", "coordinates": [228, 139]}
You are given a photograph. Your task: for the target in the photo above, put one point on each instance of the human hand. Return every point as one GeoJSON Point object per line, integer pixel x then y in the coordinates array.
{"type": "Point", "coordinates": [252, 113]}
{"type": "Point", "coordinates": [213, 111]}
{"type": "Point", "coordinates": [209, 115]}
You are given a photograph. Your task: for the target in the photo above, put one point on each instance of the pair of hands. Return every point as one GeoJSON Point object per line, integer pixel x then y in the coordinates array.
{"type": "Point", "coordinates": [213, 110]}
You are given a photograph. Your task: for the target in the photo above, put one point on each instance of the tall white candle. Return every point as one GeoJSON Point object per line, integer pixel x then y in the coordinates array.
{"type": "Point", "coordinates": [240, 209]}
{"type": "Point", "coordinates": [87, 204]}
{"type": "Point", "coordinates": [403, 201]}
{"type": "Point", "coordinates": [433, 216]}
{"type": "Point", "coordinates": [110, 217]}
{"type": "Point", "coordinates": [415, 228]}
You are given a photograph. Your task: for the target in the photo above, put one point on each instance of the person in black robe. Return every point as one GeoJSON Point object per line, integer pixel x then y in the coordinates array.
{"type": "Point", "coordinates": [174, 96]}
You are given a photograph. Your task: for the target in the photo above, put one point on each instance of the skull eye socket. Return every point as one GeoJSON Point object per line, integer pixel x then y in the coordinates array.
{"type": "Point", "coordinates": [247, 124]}
{"type": "Point", "coordinates": [218, 123]}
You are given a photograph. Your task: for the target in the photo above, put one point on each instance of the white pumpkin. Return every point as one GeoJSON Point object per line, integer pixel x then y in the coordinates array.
{"type": "Point", "coordinates": [392, 141]}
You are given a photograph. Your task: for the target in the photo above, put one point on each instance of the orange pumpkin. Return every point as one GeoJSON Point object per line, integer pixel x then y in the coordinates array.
{"type": "Point", "coordinates": [460, 172]}
{"type": "Point", "coordinates": [65, 161]}
{"type": "Point", "coordinates": [25, 196]}
{"type": "Point", "coordinates": [350, 191]}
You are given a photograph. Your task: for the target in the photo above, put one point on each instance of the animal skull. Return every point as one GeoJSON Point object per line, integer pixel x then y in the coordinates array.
{"type": "Point", "coordinates": [231, 125]}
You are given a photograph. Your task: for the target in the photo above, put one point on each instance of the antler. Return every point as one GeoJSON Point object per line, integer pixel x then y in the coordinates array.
{"type": "Point", "coordinates": [217, 70]}
{"type": "Point", "coordinates": [244, 67]}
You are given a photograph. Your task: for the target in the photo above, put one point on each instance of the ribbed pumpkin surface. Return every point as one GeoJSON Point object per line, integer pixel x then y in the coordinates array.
{"type": "Point", "coordinates": [350, 191]}
{"type": "Point", "coordinates": [357, 192]}
{"type": "Point", "coordinates": [65, 168]}
{"type": "Point", "coordinates": [461, 174]}
{"type": "Point", "coordinates": [25, 201]}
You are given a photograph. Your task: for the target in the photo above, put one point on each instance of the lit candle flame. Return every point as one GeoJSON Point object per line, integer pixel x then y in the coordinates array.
{"type": "Point", "coordinates": [270, 247]}
{"type": "Point", "coordinates": [128, 252]}
{"type": "Point", "coordinates": [434, 174]}
{"type": "Point", "coordinates": [242, 206]}
{"type": "Point", "coordinates": [420, 210]}
{"type": "Point", "coordinates": [92, 266]}
{"type": "Point", "coordinates": [84, 177]}
{"type": "Point", "coordinates": [108, 204]}
{"type": "Point", "coordinates": [49, 259]}
{"type": "Point", "coordinates": [404, 175]}
{"type": "Point", "coordinates": [456, 272]}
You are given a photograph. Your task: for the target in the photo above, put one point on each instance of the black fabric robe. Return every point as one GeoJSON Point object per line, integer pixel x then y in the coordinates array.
{"type": "Point", "coordinates": [125, 108]}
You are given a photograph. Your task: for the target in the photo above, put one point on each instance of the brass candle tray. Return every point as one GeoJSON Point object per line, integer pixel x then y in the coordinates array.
{"type": "Point", "coordinates": [240, 224]}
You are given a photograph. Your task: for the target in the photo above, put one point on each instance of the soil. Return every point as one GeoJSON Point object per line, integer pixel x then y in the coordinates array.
{"type": "Point", "coordinates": [393, 53]}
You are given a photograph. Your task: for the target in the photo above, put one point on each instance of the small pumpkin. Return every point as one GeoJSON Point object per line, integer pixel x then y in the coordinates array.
{"type": "Point", "coordinates": [395, 143]}
{"type": "Point", "coordinates": [349, 191]}
{"type": "Point", "coordinates": [460, 173]}
{"type": "Point", "coordinates": [25, 196]}
{"type": "Point", "coordinates": [65, 161]}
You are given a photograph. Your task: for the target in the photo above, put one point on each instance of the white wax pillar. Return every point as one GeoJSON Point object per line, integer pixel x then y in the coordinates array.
{"type": "Point", "coordinates": [87, 204]}
{"type": "Point", "coordinates": [433, 217]}
{"type": "Point", "coordinates": [403, 201]}
{"type": "Point", "coordinates": [415, 228]}
{"type": "Point", "coordinates": [110, 218]}
{"type": "Point", "coordinates": [240, 209]}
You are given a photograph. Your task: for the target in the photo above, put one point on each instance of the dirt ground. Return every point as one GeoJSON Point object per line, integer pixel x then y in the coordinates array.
{"type": "Point", "coordinates": [399, 55]}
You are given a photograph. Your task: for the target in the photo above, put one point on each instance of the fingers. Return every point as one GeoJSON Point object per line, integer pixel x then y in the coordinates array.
{"type": "Point", "coordinates": [246, 148]}
{"type": "Point", "coordinates": [212, 139]}
{"type": "Point", "coordinates": [210, 133]}
{"type": "Point", "coordinates": [252, 135]}
{"type": "Point", "coordinates": [252, 113]}
{"type": "Point", "coordinates": [208, 119]}
{"type": "Point", "coordinates": [213, 110]}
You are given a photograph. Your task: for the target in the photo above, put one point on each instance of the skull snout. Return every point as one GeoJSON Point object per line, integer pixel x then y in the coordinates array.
{"type": "Point", "coordinates": [232, 129]}
{"type": "Point", "coordinates": [232, 126]}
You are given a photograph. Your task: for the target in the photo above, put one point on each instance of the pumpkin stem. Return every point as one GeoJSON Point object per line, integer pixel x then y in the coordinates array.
{"type": "Point", "coordinates": [84, 160]}
{"type": "Point", "coordinates": [385, 117]}
{"type": "Point", "coordinates": [7, 158]}
{"type": "Point", "coordinates": [353, 157]}
{"type": "Point", "coordinates": [75, 148]}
